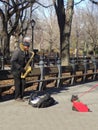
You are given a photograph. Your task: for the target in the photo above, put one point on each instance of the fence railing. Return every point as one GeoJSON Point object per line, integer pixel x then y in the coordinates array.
{"type": "Point", "coordinates": [81, 72]}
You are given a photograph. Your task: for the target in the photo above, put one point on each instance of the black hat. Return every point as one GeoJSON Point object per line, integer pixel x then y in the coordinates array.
{"type": "Point", "coordinates": [26, 44]}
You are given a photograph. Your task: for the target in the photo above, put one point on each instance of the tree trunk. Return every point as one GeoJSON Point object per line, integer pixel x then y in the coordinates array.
{"type": "Point", "coordinates": [7, 47]}
{"type": "Point", "coordinates": [64, 22]}
{"type": "Point", "coordinates": [65, 44]}
{"type": "Point", "coordinates": [5, 40]}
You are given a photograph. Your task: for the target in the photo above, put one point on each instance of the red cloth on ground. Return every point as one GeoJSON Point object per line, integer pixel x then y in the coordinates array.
{"type": "Point", "coordinates": [79, 106]}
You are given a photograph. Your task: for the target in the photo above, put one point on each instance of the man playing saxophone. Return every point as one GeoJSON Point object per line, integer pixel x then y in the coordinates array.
{"type": "Point", "coordinates": [19, 60]}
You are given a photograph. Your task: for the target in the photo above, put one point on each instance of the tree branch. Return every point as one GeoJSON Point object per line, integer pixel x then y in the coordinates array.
{"type": "Point", "coordinates": [5, 2]}
{"type": "Point", "coordinates": [94, 2]}
{"type": "Point", "coordinates": [44, 5]}
{"type": "Point", "coordinates": [79, 2]}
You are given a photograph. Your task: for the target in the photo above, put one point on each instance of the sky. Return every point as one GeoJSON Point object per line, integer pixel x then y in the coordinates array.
{"type": "Point", "coordinates": [49, 2]}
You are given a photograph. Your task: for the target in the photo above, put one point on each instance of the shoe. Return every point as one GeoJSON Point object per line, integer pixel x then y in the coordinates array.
{"type": "Point", "coordinates": [25, 99]}
{"type": "Point", "coordinates": [19, 100]}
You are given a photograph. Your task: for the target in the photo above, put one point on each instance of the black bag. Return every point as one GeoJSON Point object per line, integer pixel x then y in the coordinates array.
{"type": "Point", "coordinates": [41, 100]}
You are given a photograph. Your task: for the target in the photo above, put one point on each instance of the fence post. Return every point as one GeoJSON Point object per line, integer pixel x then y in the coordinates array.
{"type": "Point", "coordinates": [41, 85]}
{"type": "Point", "coordinates": [2, 63]}
{"type": "Point", "coordinates": [95, 68]}
{"type": "Point", "coordinates": [74, 70]}
{"type": "Point", "coordinates": [56, 58]}
{"type": "Point", "coordinates": [85, 69]}
{"type": "Point", "coordinates": [59, 83]}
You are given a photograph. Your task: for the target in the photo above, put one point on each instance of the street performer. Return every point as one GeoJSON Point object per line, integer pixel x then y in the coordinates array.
{"type": "Point", "coordinates": [18, 62]}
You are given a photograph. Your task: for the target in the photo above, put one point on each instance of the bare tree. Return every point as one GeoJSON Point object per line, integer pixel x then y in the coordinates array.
{"type": "Point", "coordinates": [94, 2]}
{"type": "Point", "coordinates": [10, 15]}
{"type": "Point", "coordinates": [64, 22]}
{"type": "Point", "coordinates": [85, 26]}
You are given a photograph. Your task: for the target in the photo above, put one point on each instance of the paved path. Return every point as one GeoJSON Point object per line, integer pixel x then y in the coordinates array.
{"type": "Point", "coordinates": [21, 116]}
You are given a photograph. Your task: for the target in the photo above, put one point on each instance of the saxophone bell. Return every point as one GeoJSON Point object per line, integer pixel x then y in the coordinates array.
{"type": "Point", "coordinates": [26, 73]}
{"type": "Point", "coordinates": [27, 67]}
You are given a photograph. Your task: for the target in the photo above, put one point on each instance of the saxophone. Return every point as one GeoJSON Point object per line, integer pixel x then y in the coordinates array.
{"type": "Point", "coordinates": [27, 67]}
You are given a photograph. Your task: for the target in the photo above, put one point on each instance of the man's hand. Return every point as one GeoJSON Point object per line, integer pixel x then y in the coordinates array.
{"type": "Point", "coordinates": [22, 70]}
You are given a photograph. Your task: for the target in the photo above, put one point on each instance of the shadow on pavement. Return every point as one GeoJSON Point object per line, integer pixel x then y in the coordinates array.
{"type": "Point", "coordinates": [51, 91]}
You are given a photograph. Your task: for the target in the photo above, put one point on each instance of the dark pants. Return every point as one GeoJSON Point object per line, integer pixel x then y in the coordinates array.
{"type": "Point", "coordinates": [19, 87]}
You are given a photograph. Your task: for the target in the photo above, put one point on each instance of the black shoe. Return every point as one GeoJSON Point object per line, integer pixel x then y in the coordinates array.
{"type": "Point", "coordinates": [25, 99]}
{"type": "Point", "coordinates": [19, 100]}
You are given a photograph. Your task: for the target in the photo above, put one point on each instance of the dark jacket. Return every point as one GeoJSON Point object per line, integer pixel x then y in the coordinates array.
{"type": "Point", "coordinates": [18, 61]}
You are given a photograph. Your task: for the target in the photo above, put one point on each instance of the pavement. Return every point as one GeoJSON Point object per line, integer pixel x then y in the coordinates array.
{"type": "Point", "coordinates": [22, 116]}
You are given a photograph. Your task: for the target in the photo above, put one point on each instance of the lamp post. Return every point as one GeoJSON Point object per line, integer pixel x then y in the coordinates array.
{"type": "Point", "coordinates": [33, 24]}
